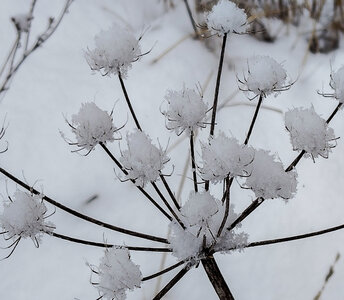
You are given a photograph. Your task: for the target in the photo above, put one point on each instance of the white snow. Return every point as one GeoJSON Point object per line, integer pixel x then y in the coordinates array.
{"type": "Point", "coordinates": [309, 132]}
{"type": "Point", "coordinates": [337, 83]}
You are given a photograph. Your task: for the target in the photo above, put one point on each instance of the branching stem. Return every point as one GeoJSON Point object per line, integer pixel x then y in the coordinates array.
{"type": "Point", "coordinates": [163, 271]}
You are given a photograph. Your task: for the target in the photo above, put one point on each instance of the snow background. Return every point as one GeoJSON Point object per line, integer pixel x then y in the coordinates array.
{"type": "Point", "coordinates": [56, 79]}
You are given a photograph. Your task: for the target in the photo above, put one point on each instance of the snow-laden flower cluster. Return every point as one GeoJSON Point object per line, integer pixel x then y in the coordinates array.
{"type": "Point", "coordinates": [115, 51]}
{"type": "Point", "coordinates": [224, 156]}
{"type": "Point", "coordinates": [202, 216]}
{"type": "Point", "coordinates": [24, 216]}
{"type": "Point", "coordinates": [117, 274]}
{"type": "Point", "coordinates": [309, 132]}
{"type": "Point", "coordinates": [268, 178]}
{"type": "Point", "coordinates": [264, 76]}
{"type": "Point", "coordinates": [226, 17]}
{"type": "Point", "coordinates": [337, 84]}
{"type": "Point", "coordinates": [91, 126]}
{"type": "Point", "coordinates": [186, 111]}
{"type": "Point", "coordinates": [142, 160]}
{"type": "Point", "coordinates": [22, 22]}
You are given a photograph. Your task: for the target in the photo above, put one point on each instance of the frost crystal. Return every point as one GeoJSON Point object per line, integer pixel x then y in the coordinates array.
{"type": "Point", "coordinates": [265, 76]}
{"type": "Point", "coordinates": [92, 126]}
{"type": "Point", "coordinates": [202, 216]}
{"type": "Point", "coordinates": [117, 274]}
{"type": "Point", "coordinates": [226, 17]}
{"type": "Point", "coordinates": [116, 49]}
{"type": "Point", "coordinates": [337, 83]}
{"type": "Point", "coordinates": [22, 22]}
{"type": "Point", "coordinates": [142, 159]}
{"type": "Point", "coordinates": [224, 157]}
{"type": "Point", "coordinates": [186, 111]}
{"type": "Point", "coordinates": [25, 217]}
{"type": "Point", "coordinates": [309, 132]}
{"type": "Point", "coordinates": [268, 178]}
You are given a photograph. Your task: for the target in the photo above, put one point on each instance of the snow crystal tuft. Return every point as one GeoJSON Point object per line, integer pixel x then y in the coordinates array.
{"type": "Point", "coordinates": [143, 160]}
{"type": "Point", "coordinates": [224, 157]}
{"type": "Point", "coordinates": [309, 132]}
{"type": "Point", "coordinates": [186, 111]}
{"type": "Point", "coordinates": [117, 274]}
{"type": "Point", "coordinates": [116, 49]}
{"type": "Point", "coordinates": [25, 217]}
{"type": "Point", "coordinates": [265, 76]}
{"type": "Point", "coordinates": [226, 17]}
{"type": "Point", "coordinates": [268, 178]}
{"type": "Point", "coordinates": [337, 83]}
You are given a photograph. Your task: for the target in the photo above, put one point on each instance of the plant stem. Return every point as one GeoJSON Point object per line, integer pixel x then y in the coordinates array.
{"type": "Point", "coordinates": [227, 203]}
{"type": "Point", "coordinates": [82, 216]}
{"type": "Point", "coordinates": [163, 271]}
{"type": "Point", "coordinates": [193, 164]}
{"type": "Point", "coordinates": [191, 18]}
{"type": "Point", "coordinates": [169, 191]}
{"type": "Point", "coordinates": [104, 245]}
{"type": "Point", "coordinates": [254, 119]}
{"type": "Point", "coordinates": [334, 113]}
{"type": "Point", "coordinates": [128, 102]}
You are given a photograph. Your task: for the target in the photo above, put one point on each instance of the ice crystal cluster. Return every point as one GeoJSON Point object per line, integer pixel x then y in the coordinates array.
{"type": "Point", "coordinates": [117, 274]}
{"type": "Point", "coordinates": [268, 178]}
{"type": "Point", "coordinates": [265, 76]}
{"type": "Point", "coordinates": [92, 126]}
{"type": "Point", "coordinates": [226, 17]}
{"type": "Point", "coordinates": [309, 132]}
{"type": "Point", "coordinates": [337, 83]}
{"type": "Point", "coordinates": [223, 156]}
{"type": "Point", "coordinates": [202, 215]}
{"type": "Point", "coordinates": [24, 216]}
{"type": "Point", "coordinates": [186, 111]}
{"type": "Point", "coordinates": [142, 160]}
{"type": "Point", "coordinates": [115, 51]}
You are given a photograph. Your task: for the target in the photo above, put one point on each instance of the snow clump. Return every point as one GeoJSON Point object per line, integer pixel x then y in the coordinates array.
{"type": "Point", "coordinates": [24, 217]}
{"type": "Point", "coordinates": [22, 22]}
{"type": "Point", "coordinates": [116, 49]}
{"type": "Point", "coordinates": [309, 132]}
{"type": "Point", "coordinates": [224, 156]}
{"type": "Point", "coordinates": [143, 160]}
{"type": "Point", "coordinates": [226, 17]}
{"type": "Point", "coordinates": [268, 178]}
{"type": "Point", "coordinates": [337, 83]}
{"type": "Point", "coordinates": [117, 274]}
{"type": "Point", "coordinates": [186, 111]}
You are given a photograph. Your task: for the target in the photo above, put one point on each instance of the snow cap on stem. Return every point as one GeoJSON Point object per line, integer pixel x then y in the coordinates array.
{"type": "Point", "coordinates": [309, 132]}
{"type": "Point", "coordinates": [143, 160]}
{"type": "Point", "coordinates": [226, 17]}
{"type": "Point", "coordinates": [337, 84]}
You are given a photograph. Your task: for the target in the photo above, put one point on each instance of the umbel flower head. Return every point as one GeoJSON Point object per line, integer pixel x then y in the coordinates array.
{"type": "Point", "coordinates": [142, 160]}
{"type": "Point", "coordinates": [115, 51]}
{"type": "Point", "coordinates": [309, 132]}
{"type": "Point", "coordinates": [226, 17]}
{"type": "Point", "coordinates": [264, 76]}
{"type": "Point", "coordinates": [24, 216]}
{"type": "Point", "coordinates": [224, 156]}
{"type": "Point", "coordinates": [186, 111]}
{"type": "Point", "coordinates": [116, 274]}
{"type": "Point", "coordinates": [91, 126]}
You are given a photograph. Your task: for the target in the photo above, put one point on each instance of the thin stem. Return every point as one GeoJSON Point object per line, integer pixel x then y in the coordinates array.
{"type": "Point", "coordinates": [193, 164]}
{"type": "Point", "coordinates": [82, 216]}
{"type": "Point", "coordinates": [11, 53]}
{"type": "Point", "coordinates": [138, 187]}
{"type": "Point", "coordinates": [191, 18]}
{"type": "Point", "coordinates": [169, 191]}
{"type": "Point", "coordinates": [128, 101]}
{"type": "Point", "coordinates": [163, 271]}
{"type": "Point", "coordinates": [334, 113]}
{"type": "Point", "coordinates": [105, 245]}
{"type": "Point", "coordinates": [172, 283]}
{"type": "Point", "coordinates": [254, 119]}
{"type": "Point", "coordinates": [32, 7]}
{"type": "Point", "coordinates": [227, 203]}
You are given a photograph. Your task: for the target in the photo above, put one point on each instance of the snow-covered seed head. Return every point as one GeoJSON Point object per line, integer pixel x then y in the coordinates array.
{"type": "Point", "coordinates": [268, 178]}
{"type": "Point", "coordinates": [265, 76]}
{"type": "Point", "coordinates": [22, 22]}
{"type": "Point", "coordinates": [337, 84]}
{"type": "Point", "coordinates": [91, 126]}
{"type": "Point", "coordinates": [224, 156]}
{"type": "Point", "coordinates": [202, 216]}
{"type": "Point", "coordinates": [24, 217]}
{"type": "Point", "coordinates": [115, 51]}
{"type": "Point", "coordinates": [142, 160]}
{"type": "Point", "coordinates": [116, 274]}
{"type": "Point", "coordinates": [186, 111]}
{"type": "Point", "coordinates": [226, 17]}
{"type": "Point", "coordinates": [309, 132]}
